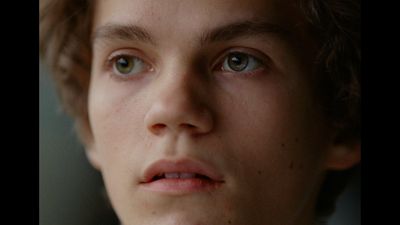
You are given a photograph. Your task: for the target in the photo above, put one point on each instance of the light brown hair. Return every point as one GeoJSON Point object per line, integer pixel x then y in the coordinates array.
{"type": "Point", "coordinates": [65, 27]}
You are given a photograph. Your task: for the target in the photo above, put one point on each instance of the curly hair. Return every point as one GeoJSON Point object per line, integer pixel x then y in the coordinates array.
{"type": "Point", "coordinates": [336, 25]}
{"type": "Point", "coordinates": [65, 45]}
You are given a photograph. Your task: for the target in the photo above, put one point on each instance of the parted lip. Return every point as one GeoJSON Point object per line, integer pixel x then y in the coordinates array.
{"type": "Point", "coordinates": [182, 165]}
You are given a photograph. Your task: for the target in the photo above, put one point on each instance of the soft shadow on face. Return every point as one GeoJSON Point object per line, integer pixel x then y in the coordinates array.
{"type": "Point", "coordinates": [172, 118]}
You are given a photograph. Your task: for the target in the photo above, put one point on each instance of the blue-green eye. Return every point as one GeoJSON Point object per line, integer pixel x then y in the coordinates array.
{"type": "Point", "coordinates": [240, 62]}
{"type": "Point", "coordinates": [125, 65]}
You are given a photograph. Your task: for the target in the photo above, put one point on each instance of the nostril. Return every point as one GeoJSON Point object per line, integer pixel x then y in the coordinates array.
{"type": "Point", "coordinates": [187, 126]}
{"type": "Point", "coordinates": [158, 128]}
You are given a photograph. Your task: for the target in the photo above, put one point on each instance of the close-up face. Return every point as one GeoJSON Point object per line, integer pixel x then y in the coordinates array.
{"type": "Point", "coordinates": [204, 112]}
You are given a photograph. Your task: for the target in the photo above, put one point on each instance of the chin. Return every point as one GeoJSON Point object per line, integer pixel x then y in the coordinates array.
{"type": "Point", "coordinates": [181, 218]}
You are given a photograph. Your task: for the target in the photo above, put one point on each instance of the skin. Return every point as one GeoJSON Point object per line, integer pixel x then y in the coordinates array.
{"type": "Point", "coordinates": [262, 130]}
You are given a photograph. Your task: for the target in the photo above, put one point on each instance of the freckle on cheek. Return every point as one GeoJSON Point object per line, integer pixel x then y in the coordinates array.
{"type": "Point", "coordinates": [259, 172]}
{"type": "Point", "coordinates": [228, 207]}
{"type": "Point", "coordinates": [291, 165]}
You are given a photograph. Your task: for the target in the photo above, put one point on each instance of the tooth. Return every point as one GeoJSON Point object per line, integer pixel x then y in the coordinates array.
{"type": "Point", "coordinates": [171, 175]}
{"type": "Point", "coordinates": [187, 175]}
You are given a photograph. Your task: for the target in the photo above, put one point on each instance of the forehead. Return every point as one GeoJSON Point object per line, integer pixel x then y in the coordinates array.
{"type": "Point", "coordinates": [191, 16]}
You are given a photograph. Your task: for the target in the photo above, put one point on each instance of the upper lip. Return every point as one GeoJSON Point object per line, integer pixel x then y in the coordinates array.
{"type": "Point", "coordinates": [180, 166]}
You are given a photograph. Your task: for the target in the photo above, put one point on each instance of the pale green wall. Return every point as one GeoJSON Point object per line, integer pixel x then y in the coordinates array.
{"type": "Point", "coordinates": [69, 189]}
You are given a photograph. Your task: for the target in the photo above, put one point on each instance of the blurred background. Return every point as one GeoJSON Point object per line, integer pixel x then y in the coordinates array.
{"type": "Point", "coordinates": [70, 190]}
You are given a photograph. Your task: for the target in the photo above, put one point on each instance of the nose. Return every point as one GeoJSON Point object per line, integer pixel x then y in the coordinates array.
{"type": "Point", "coordinates": [179, 106]}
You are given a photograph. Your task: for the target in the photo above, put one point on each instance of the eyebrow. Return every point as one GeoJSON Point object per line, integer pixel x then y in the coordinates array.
{"type": "Point", "coordinates": [243, 29]}
{"type": "Point", "coordinates": [224, 33]}
{"type": "Point", "coordinates": [123, 32]}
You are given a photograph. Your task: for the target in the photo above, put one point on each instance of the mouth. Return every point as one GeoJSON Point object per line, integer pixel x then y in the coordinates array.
{"type": "Point", "coordinates": [180, 176]}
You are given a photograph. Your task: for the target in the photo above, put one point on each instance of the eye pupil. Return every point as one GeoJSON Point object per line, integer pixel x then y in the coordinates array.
{"type": "Point", "coordinates": [238, 61]}
{"type": "Point", "coordinates": [124, 65]}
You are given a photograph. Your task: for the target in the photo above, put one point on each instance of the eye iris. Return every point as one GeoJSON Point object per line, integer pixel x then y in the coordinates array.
{"type": "Point", "coordinates": [124, 65]}
{"type": "Point", "coordinates": [238, 61]}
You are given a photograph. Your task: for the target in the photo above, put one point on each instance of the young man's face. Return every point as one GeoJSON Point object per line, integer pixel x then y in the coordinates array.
{"type": "Point", "coordinates": [203, 112]}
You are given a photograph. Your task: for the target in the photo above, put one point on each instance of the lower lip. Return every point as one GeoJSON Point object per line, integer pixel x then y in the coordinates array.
{"type": "Point", "coordinates": [179, 186]}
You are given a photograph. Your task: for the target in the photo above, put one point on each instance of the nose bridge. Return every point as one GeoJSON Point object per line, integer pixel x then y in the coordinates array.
{"type": "Point", "coordinates": [177, 80]}
{"type": "Point", "coordinates": [179, 102]}
{"type": "Point", "coordinates": [177, 96]}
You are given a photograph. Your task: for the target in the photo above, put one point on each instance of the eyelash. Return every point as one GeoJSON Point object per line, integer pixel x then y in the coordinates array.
{"type": "Point", "coordinates": [258, 58]}
{"type": "Point", "coordinates": [111, 64]}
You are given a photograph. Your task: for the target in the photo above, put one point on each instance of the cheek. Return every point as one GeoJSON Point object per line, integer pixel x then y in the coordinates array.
{"type": "Point", "coordinates": [277, 140]}
{"type": "Point", "coordinates": [118, 131]}
{"type": "Point", "coordinates": [274, 117]}
{"type": "Point", "coordinates": [117, 123]}
{"type": "Point", "coordinates": [113, 112]}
